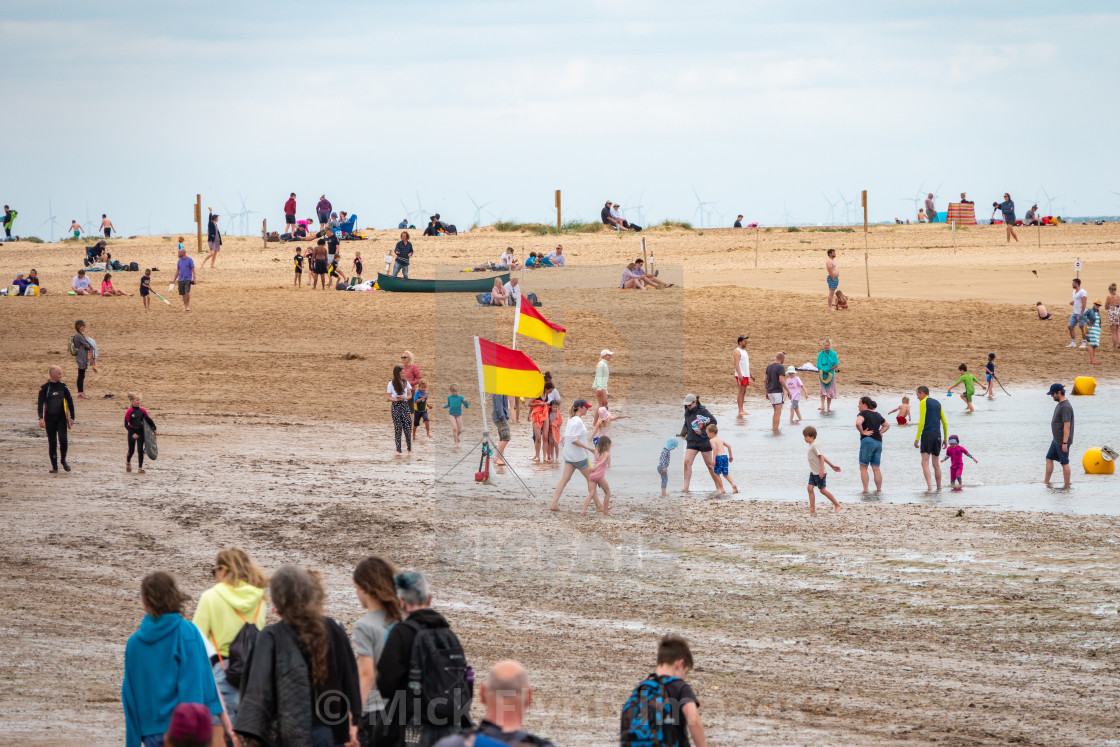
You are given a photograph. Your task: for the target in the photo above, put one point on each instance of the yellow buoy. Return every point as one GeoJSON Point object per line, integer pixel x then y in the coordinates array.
{"type": "Point", "coordinates": [1096, 463]}
{"type": "Point", "coordinates": [1084, 385]}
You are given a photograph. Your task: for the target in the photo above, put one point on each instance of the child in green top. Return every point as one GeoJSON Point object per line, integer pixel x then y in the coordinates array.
{"type": "Point", "coordinates": [454, 407]}
{"type": "Point", "coordinates": [970, 383]}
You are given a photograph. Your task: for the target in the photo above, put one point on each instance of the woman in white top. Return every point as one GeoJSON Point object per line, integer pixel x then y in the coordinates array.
{"type": "Point", "coordinates": [575, 444]}
{"type": "Point", "coordinates": [507, 261]}
{"type": "Point", "coordinates": [399, 392]}
{"type": "Point", "coordinates": [742, 371]}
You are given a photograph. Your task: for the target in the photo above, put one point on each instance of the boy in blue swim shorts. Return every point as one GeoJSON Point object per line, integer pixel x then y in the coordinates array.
{"type": "Point", "coordinates": [721, 450]}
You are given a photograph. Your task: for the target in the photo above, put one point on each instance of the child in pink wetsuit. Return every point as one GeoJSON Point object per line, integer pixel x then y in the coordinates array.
{"type": "Point", "coordinates": [956, 453]}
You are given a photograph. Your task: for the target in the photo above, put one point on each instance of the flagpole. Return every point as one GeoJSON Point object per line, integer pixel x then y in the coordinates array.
{"type": "Point", "coordinates": [516, 319]}
{"type": "Point", "coordinates": [481, 390]}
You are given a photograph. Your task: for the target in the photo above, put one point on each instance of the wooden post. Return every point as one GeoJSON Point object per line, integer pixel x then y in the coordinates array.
{"type": "Point", "coordinates": [264, 232]}
{"type": "Point", "coordinates": [557, 210]}
{"type": "Point", "coordinates": [866, 265]}
{"type": "Point", "coordinates": [645, 257]}
{"type": "Point", "coordinates": [756, 229]}
{"type": "Point", "coordinates": [1039, 234]}
{"type": "Point", "coordinates": [198, 219]}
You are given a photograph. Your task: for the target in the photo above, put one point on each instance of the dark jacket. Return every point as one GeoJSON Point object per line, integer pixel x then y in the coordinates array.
{"type": "Point", "coordinates": [393, 666]}
{"type": "Point", "coordinates": [213, 234]}
{"type": "Point", "coordinates": [52, 395]}
{"type": "Point", "coordinates": [605, 215]}
{"type": "Point", "coordinates": [692, 439]}
{"type": "Point", "coordinates": [519, 737]}
{"type": "Point", "coordinates": [276, 691]}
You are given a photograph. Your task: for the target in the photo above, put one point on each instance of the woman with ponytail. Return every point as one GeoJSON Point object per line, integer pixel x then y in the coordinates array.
{"type": "Point", "coordinates": [373, 583]}
{"type": "Point", "coordinates": [301, 686]}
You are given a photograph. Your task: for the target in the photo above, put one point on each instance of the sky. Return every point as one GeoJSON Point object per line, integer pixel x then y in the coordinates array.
{"type": "Point", "coordinates": [772, 110]}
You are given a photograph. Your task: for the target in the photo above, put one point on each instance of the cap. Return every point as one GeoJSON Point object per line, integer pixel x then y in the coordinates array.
{"type": "Point", "coordinates": [1056, 388]}
{"type": "Point", "coordinates": [689, 399]}
{"type": "Point", "coordinates": [580, 403]}
{"type": "Point", "coordinates": [334, 215]}
{"type": "Point", "coordinates": [743, 337]}
{"type": "Point", "coordinates": [954, 440]}
{"type": "Point", "coordinates": [791, 370]}
{"type": "Point", "coordinates": [190, 721]}
{"type": "Point", "coordinates": [605, 352]}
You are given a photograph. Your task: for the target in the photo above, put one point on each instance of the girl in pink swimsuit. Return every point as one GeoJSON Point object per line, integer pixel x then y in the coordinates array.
{"type": "Point", "coordinates": [597, 478]}
{"type": "Point", "coordinates": [957, 453]}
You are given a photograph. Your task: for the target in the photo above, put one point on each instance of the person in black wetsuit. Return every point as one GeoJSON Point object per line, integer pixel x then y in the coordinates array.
{"type": "Point", "coordinates": [134, 420]}
{"type": "Point", "coordinates": [56, 414]}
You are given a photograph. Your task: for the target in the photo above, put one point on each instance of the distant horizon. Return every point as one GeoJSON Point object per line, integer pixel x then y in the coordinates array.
{"type": "Point", "coordinates": [695, 113]}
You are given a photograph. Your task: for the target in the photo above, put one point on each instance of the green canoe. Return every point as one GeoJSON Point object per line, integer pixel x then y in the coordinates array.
{"type": "Point", "coordinates": [474, 285]}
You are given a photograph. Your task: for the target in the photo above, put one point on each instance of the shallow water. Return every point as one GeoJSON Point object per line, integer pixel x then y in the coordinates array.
{"type": "Point", "coordinates": [1008, 435]}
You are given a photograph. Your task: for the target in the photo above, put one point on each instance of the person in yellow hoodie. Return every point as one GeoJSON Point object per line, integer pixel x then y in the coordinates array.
{"type": "Point", "coordinates": [235, 600]}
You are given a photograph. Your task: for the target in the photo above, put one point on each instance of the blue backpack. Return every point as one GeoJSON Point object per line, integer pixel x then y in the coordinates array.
{"type": "Point", "coordinates": [650, 718]}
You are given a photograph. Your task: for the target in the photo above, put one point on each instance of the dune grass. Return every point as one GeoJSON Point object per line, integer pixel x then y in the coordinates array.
{"type": "Point", "coordinates": [540, 229]}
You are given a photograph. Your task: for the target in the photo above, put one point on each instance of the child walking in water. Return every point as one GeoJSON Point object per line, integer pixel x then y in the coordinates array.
{"type": "Point", "coordinates": [970, 383]}
{"type": "Point", "coordinates": [903, 410]}
{"type": "Point", "coordinates": [795, 387]}
{"type": "Point", "coordinates": [990, 374]}
{"type": "Point", "coordinates": [134, 420]}
{"type": "Point", "coordinates": [957, 453]}
{"type": "Point", "coordinates": [663, 465]}
{"type": "Point", "coordinates": [721, 452]}
{"type": "Point", "coordinates": [817, 462]}
{"type": "Point", "coordinates": [598, 477]}
{"type": "Point", "coordinates": [454, 407]}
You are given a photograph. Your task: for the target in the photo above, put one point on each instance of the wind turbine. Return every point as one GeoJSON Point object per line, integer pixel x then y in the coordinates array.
{"type": "Point", "coordinates": [847, 207]}
{"type": "Point", "coordinates": [1049, 200]}
{"type": "Point", "coordinates": [478, 209]}
{"type": "Point", "coordinates": [787, 219]}
{"type": "Point", "coordinates": [245, 213]}
{"type": "Point", "coordinates": [637, 209]}
{"type": "Point", "coordinates": [52, 220]}
{"type": "Point", "coordinates": [148, 226]}
{"type": "Point", "coordinates": [917, 198]}
{"type": "Point", "coordinates": [701, 210]}
{"type": "Point", "coordinates": [831, 209]}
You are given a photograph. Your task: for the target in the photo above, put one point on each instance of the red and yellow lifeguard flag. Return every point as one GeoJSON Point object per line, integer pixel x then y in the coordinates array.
{"type": "Point", "coordinates": [504, 370]}
{"type": "Point", "coordinates": [530, 323]}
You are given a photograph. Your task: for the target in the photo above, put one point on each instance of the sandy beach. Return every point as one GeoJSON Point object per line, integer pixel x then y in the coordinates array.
{"type": "Point", "coordinates": [887, 623]}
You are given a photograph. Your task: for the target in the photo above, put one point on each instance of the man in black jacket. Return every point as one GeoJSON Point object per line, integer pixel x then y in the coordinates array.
{"type": "Point", "coordinates": [393, 667]}
{"type": "Point", "coordinates": [56, 414]}
{"type": "Point", "coordinates": [507, 696]}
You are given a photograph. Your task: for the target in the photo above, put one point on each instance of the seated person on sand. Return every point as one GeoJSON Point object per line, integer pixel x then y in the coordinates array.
{"type": "Point", "coordinates": [508, 261]}
{"type": "Point", "coordinates": [431, 229]}
{"type": "Point", "coordinates": [841, 301]}
{"type": "Point", "coordinates": [1042, 312]}
{"type": "Point", "coordinates": [107, 288]}
{"type": "Point", "coordinates": [95, 253]}
{"type": "Point", "coordinates": [498, 295]}
{"type": "Point", "coordinates": [921, 215]}
{"type": "Point", "coordinates": [646, 278]}
{"type": "Point", "coordinates": [1031, 218]}
{"type": "Point", "coordinates": [21, 282]}
{"type": "Point", "coordinates": [557, 257]}
{"type": "Point", "coordinates": [81, 284]}
{"type": "Point", "coordinates": [632, 281]}
{"type": "Point", "coordinates": [608, 218]}
{"type": "Point", "coordinates": [32, 279]}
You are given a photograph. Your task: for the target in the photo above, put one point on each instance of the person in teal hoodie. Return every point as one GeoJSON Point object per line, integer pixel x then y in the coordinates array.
{"type": "Point", "coordinates": [165, 664]}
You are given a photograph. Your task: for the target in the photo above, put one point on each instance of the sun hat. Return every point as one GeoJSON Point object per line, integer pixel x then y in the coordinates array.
{"type": "Point", "coordinates": [671, 444]}
{"type": "Point", "coordinates": [1056, 388]}
{"type": "Point", "coordinates": [1096, 303]}
{"type": "Point", "coordinates": [790, 370]}
{"type": "Point", "coordinates": [689, 399]}
{"type": "Point", "coordinates": [605, 352]}
{"type": "Point", "coordinates": [190, 721]}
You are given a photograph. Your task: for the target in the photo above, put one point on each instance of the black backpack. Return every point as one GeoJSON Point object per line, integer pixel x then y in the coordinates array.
{"type": "Point", "coordinates": [134, 267]}
{"type": "Point", "coordinates": [438, 677]}
{"type": "Point", "coordinates": [241, 648]}
{"type": "Point", "coordinates": [649, 718]}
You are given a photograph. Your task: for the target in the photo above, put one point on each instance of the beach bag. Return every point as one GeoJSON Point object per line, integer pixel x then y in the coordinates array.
{"type": "Point", "coordinates": [133, 267]}
{"type": "Point", "coordinates": [649, 718]}
{"type": "Point", "coordinates": [485, 298]}
{"type": "Point", "coordinates": [437, 676]}
{"type": "Point", "coordinates": [151, 448]}
{"type": "Point", "coordinates": [241, 649]}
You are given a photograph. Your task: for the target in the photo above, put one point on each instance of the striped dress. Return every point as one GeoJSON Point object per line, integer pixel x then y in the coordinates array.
{"type": "Point", "coordinates": [1093, 332]}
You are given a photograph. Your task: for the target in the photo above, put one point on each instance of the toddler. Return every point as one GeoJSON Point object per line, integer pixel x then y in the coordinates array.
{"type": "Point", "coordinates": [957, 453]}
{"type": "Point", "coordinates": [598, 478]}
{"type": "Point", "coordinates": [146, 288]}
{"type": "Point", "coordinates": [180, 244]}
{"type": "Point", "coordinates": [358, 264]}
{"type": "Point", "coordinates": [795, 387]}
{"type": "Point", "coordinates": [420, 409]}
{"type": "Point", "coordinates": [298, 260]}
{"type": "Point", "coordinates": [663, 465]}
{"type": "Point", "coordinates": [817, 462]}
{"type": "Point", "coordinates": [1042, 312]}
{"type": "Point", "coordinates": [903, 410]}
{"type": "Point", "coordinates": [721, 451]}
{"type": "Point", "coordinates": [454, 407]}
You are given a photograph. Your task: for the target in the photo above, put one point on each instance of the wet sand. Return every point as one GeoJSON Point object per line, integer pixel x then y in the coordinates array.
{"type": "Point", "coordinates": [882, 624]}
